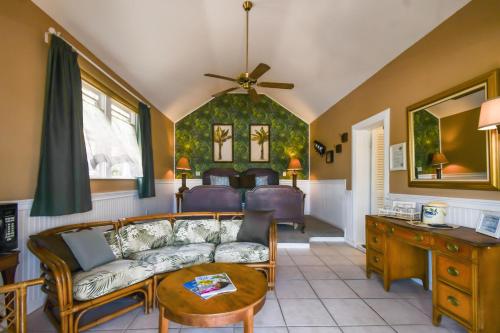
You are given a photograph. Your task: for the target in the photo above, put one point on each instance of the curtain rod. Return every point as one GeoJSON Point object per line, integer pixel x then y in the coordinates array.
{"type": "Point", "coordinates": [52, 31]}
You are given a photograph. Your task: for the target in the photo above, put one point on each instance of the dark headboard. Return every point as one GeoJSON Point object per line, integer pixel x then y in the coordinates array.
{"type": "Point", "coordinates": [273, 177]}
{"type": "Point", "coordinates": [223, 172]}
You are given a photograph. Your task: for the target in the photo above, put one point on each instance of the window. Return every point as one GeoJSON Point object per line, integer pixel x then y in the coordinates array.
{"type": "Point", "coordinates": [110, 136]}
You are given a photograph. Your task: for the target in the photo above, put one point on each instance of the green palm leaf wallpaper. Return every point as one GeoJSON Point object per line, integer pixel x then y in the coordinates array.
{"type": "Point", "coordinates": [289, 135]}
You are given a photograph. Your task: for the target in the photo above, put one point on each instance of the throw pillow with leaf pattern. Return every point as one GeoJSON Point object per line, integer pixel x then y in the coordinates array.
{"type": "Point", "coordinates": [196, 231]}
{"type": "Point", "coordinates": [145, 236]}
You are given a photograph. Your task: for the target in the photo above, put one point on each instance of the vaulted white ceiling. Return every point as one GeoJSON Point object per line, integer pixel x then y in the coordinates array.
{"type": "Point", "coordinates": [326, 47]}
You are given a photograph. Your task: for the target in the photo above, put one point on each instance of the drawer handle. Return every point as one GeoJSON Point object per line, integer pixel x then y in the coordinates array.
{"type": "Point", "coordinates": [419, 238]}
{"type": "Point", "coordinates": [453, 301]}
{"type": "Point", "coordinates": [453, 271]}
{"type": "Point", "coordinates": [376, 259]}
{"type": "Point", "coordinates": [375, 239]}
{"type": "Point", "coordinates": [452, 247]}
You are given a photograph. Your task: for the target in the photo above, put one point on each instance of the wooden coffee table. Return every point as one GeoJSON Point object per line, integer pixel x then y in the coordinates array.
{"type": "Point", "coordinates": [184, 307]}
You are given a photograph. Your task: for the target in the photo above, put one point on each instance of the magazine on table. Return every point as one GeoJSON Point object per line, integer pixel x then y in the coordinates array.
{"type": "Point", "coordinates": [207, 286]}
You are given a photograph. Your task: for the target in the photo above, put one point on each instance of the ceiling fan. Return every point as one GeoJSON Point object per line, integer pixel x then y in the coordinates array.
{"type": "Point", "coordinates": [247, 80]}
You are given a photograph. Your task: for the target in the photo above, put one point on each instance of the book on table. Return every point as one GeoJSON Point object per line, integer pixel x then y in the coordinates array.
{"type": "Point", "coordinates": [207, 286]}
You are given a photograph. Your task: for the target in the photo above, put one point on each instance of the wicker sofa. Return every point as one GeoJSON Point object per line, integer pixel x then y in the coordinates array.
{"type": "Point", "coordinates": [147, 248]}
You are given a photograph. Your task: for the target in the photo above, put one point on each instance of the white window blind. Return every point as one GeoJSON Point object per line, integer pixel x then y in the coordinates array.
{"type": "Point", "coordinates": [110, 136]}
{"type": "Point", "coordinates": [378, 169]}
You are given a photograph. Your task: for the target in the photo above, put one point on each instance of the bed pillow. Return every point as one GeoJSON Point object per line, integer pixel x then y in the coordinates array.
{"type": "Point", "coordinates": [247, 181]}
{"type": "Point", "coordinates": [218, 180]}
{"type": "Point", "coordinates": [261, 180]}
{"type": "Point", "coordinates": [255, 227]}
{"type": "Point", "coordinates": [89, 247]}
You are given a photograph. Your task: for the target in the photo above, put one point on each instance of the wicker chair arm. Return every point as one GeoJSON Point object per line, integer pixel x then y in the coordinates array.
{"type": "Point", "coordinates": [60, 273]}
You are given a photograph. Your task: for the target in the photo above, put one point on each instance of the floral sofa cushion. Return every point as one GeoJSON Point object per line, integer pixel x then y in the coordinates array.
{"type": "Point", "coordinates": [109, 277]}
{"type": "Point", "coordinates": [241, 252]}
{"type": "Point", "coordinates": [229, 230]}
{"type": "Point", "coordinates": [113, 239]}
{"type": "Point", "coordinates": [171, 258]}
{"type": "Point", "coordinates": [145, 236]}
{"type": "Point", "coordinates": [196, 231]}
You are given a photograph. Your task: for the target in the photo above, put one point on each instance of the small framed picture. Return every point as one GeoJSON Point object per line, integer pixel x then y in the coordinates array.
{"type": "Point", "coordinates": [329, 156]}
{"type": "Point", "coordinates": [222, 142]}
{"type": "Point", "coordinates": [489, 224]}
{"type": "Point", "coordinates": [260, 145]}
{"type": "Point", "coordinates": [397, 156]}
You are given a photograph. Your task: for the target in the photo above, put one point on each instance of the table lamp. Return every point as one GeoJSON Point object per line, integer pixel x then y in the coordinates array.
{"type": "Point", "coordinates": [439, 159]}
{"type": "Point", "coordinates": [490, 115]}
{"type": "Point", "coordinates": [183, 164]}
{"type": "Point", "coordinates": [293, 166]}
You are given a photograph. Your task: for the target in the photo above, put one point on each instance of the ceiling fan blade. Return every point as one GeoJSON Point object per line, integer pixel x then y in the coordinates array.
{"type": "Point", "coordinates": [259, 71]}
{"type": "Point", "coordinates": [253, 95]}
{"type": "Point", "coordinates": [223, 92]}
{"type": "Point", "coordinates": [220, 77]}
{"type": "Point", "coordinates": [278, 85]}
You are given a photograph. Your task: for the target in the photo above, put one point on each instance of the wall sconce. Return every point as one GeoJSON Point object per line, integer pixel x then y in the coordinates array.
{"type": "Point", "coordinates": [490, 115]}
{"type": "Point", "coordinates": [183, 164]}
{"type": "Point", "coordinates": [319, 147]}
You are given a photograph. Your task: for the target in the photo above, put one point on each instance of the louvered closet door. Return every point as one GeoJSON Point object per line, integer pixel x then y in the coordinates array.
{"type": "Point", "coordinates": [377, 179]}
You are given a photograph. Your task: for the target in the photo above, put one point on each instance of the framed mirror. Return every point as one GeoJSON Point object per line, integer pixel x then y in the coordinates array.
{"type": "Point", "coordinates": [446, 149]}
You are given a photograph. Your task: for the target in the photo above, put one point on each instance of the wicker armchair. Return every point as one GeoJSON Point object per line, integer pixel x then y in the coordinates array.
{"type": "Point", "coordinates": [13, 310]}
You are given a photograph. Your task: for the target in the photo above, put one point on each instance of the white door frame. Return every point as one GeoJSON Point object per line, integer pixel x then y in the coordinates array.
{"type": "Point", "coordinates": [359, 165]}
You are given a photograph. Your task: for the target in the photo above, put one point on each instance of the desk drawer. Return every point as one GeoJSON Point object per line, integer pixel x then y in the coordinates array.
{"type": "Point", "coordinates": [375, 259]}
{"type": "Point", "coordinates": [376, 240]}
{"type": "Point", "coordinates": [454, 301]}
{"type": "Point", "coordinates": [454, 272]}
{"type": "Point", "coordinates": [413, 236]}
{"type": "Point", "coordinates": [453, 247]}
{"type": "Point", "coordinates": [375, 225]}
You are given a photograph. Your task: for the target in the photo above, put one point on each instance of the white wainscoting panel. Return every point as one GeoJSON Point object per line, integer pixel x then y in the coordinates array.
{"type": "Point", "coordinates": [106, 206]}
{"type": "Point", "coordinates": [329, 201]}
{"type": "Point", "coordinates": [461, 211]}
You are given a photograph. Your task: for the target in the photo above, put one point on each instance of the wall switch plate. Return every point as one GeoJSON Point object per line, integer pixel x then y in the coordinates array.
{"type": "Point", "coordinates": [198, 173]}
{"type": "Point", "coordinates": [284, 173]}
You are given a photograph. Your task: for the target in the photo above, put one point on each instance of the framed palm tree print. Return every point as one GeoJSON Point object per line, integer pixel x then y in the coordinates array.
{"type": "Point", "coordinates": [222, 142]}
{"type": "Point", "coordinates": [260, 143]}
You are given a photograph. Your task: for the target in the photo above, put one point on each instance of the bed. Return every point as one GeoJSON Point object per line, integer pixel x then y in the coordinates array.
{"type": "Point", "coordinates": [286, 201]}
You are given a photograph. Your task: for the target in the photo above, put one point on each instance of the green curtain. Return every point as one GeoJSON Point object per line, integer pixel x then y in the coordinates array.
{"type": "Point", "coordinates": [63, 177]}
{"type": "Point", "coordinates": [146, 183]}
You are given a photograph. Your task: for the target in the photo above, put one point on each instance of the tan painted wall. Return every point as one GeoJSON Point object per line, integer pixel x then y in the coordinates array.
{"type": "Point", "coordinates": [463, 47]}
{"type": "Point", "coordinates": [23, 60]}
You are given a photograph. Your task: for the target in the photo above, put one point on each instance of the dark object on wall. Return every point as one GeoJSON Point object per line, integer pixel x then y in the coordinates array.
{"type": "Point", "coordinates": [319, 147]}
{"type": "Point", "coordinates": [146, 183]}
{"type": "Point", "coordinates": [344, 137]}
{"type": "Point", "coordinates": [329, 156]}
{"type": "Point", "coordinates": [338, 148]}
{"type": "Point", "coordinates": [63, 176]}
{"type": "Point", "coordinates": [8, 227]}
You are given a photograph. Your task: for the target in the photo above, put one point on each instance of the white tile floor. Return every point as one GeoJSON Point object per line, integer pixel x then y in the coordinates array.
{"type": "Point", "coordinates": [318, 290]}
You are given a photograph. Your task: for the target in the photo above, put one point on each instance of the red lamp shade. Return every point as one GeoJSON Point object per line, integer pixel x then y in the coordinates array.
{"type": "Point", "coordinates": [294, 164]}
{"type": "Point", "coordinates": [183, 164]}
{"type": "Point", "coordinates": [439, 158]}
{"type": "Point", "coordinates": [490, 115]}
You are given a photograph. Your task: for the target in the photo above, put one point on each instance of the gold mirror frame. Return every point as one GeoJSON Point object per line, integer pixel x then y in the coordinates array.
{"type": "Point", "coordinates": [491, 80]}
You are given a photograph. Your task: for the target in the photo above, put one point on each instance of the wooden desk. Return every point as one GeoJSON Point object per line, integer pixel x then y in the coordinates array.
{"type": "Point", "coordinates": [8, 265]}
{"type": "Point", "coordinates": [465, 268]}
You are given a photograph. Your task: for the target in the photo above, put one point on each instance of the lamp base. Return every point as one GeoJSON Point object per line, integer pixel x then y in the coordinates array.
{"type": "Point", "coordinates": [439, 173]}
{"type": "Point", "coordinates": [183, 187]}
{"type": "Point", "coordinates": [294, 180]}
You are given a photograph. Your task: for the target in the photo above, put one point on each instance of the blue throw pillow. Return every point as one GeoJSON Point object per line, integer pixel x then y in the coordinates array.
{"type": "Point", "coordinates": [218, 180]}
{"type": "Point", "coordinates": [89, 247]}
{"type": "Point", "coordinates": [261, 180]}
